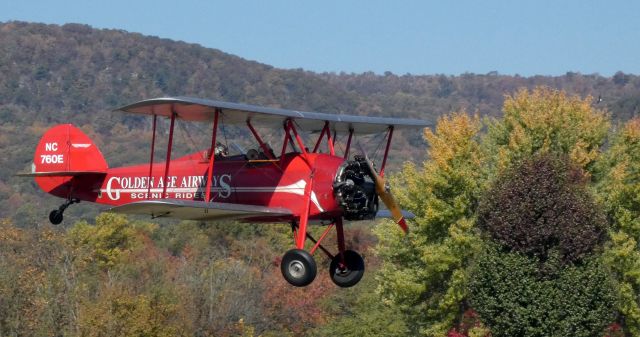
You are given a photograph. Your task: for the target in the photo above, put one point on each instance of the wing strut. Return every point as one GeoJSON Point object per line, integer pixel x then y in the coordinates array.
{"type": "Point", "coordinates": [212, 154]}
{"type": "Point", "coordinates": [324, 129]}
{"type": "Point", "coordinates": [303, 149]}
{"type": "Point", "coordinates": [386, 150]}
{"type": "Point", "coordinates": [153, 147]}
{"type": "Point", "coordinates": [330, 140]}
{"type": "Point", "coordinates": [169, 146]}
{"type": "Point", "coordinates": [287, 138]}
{"type": "Point", "coordinates": [265, 149]}
{"type": "Point", "coordinates": [346, 151]}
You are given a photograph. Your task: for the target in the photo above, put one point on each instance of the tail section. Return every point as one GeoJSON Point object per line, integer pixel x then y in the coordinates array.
{"type": "Point", "coordinates": [68, 164]}
{"type": "Point", "coordinates": [64, 150]}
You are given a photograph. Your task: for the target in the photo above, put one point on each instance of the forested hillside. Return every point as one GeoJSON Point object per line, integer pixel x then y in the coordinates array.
{"type": "Point", "coordinates": [116, 276]}
{"type": "Point", "coordinates": [76, 74]}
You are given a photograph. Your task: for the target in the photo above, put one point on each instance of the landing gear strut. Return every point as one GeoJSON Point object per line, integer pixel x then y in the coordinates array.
{"type": "Point", "coordinates": [56, 216]}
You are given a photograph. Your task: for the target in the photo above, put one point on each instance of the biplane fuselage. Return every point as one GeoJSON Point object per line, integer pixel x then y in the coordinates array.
{"type": "Point", "coordinates": [235, 180]}
{"type": "Point", "coordinates": [298, 185]}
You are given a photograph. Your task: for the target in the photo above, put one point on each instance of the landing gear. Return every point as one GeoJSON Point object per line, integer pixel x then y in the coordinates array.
{"type": "Point", "coordinates": [350, 272]}
{"type": "Point", "coordinates": [56, 216]}
{"type": "Point", "coordinates": [298, 267]}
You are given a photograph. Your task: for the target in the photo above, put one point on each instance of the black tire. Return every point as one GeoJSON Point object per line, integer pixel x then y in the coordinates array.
{"type": "Point", "coordinates": [298, 267]}
{"type": "Point", "coordinates": [352, 274]}
{"type": "Point", "coordinates": [55, 217]}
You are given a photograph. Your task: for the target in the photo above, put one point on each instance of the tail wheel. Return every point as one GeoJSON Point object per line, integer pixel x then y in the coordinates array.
{"type": "Point", "coordinates": [298, 267]}
{"type": "Point", "coordinates": [348, 274]}
{"type": "Point", "coordinates": [55, 217]}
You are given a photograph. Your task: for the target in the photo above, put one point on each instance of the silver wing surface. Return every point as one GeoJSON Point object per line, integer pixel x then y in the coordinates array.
{"type": "Point", "coordinates": [198, 109]}
{"type": "Point", "coordinates": [385, 213]}
{"type": "Point", "coordinates": [199, 210]}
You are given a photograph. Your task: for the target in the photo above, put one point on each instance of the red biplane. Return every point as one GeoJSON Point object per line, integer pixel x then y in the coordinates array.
{"type": "Point", "coordinates": [297, 185]}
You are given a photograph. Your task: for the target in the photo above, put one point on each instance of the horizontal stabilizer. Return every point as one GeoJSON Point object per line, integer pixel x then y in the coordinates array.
{"type": "Point", "coordinates": [200, 210]}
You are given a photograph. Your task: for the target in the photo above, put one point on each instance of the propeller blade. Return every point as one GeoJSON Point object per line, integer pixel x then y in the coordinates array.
{"type": "Point", "coordinates": [387, 198]}
{"type": "Point", "coordinates": [385, 194]}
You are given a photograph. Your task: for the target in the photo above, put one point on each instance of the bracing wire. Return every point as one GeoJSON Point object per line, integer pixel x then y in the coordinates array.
{"type": "Point", "coordinates": [224, 130]}
{"type": "Point", "coordinates": [187, 138]}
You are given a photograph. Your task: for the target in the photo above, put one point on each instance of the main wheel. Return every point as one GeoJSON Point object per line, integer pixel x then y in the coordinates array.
{"type": "Point", "coordinates": [298, 267]}
{"type": "Point", "coordinates": [351, 273]}
{"type": "Point", "coordinates": [55, 217]}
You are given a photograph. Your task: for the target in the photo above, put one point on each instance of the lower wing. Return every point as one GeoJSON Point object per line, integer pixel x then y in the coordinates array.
{"type": "Point", "coordinates": [385, 213]}
{"type": "Point", "coordinates": [200, 210]}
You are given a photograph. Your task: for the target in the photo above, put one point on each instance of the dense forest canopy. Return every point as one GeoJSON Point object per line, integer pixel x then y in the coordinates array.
{"type": "Point", "coordinates": [109, 275]}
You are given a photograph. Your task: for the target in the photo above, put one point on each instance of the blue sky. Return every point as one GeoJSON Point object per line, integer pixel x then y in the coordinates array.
{"type": "Point", "coordinates": [539, 37]}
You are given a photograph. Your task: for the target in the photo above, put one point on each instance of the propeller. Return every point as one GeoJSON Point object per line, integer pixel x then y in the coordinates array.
{"type": "Point", "coordinates": [384, 192]}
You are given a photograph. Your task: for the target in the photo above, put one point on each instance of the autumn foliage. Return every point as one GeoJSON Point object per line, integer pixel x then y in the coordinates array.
{"type": "Point", "coordinates": [506, 224]}
{"type": "Point", "coordinates": [120, 277]}
{"type": "Point", "coordinates": [116, 276]}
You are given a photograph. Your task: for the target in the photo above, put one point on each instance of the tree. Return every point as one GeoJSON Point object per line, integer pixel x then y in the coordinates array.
{"type": "Point", "coordinates": [618, 189]}
{"type": "Point", "coordinates": [359, 312]}
{"type": "Point", "coordinates": [513, 298]}
{"type": "Point", "coordinates": [541, 206]}
{"type": "Point", "coordinates": [547, 120]}
{"type": "Point", "coordinates": [423, 274]}
{"type": "Point", "coordinates": [35, 296]}
{"type": "Point", "coordinates": [541, 278]}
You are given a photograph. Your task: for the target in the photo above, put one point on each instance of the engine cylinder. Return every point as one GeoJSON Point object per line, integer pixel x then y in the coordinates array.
{"type": "Point", "coordinates": [355, 190]}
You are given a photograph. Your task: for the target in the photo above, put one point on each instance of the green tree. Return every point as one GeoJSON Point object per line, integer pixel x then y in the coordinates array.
{"type": "Point", "coordinates": [514, 299]}
{"type": "Point", "coordinates": [359, 312]}
{"type": "Point", "coordinates": [423, 275]}
{"type": "Point", "coordinates": [536, 282]}
{"type": "Point", "coordinates": [619, 191]}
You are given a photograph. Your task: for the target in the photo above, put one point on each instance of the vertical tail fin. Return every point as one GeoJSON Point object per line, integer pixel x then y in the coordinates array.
{"type": "Point", "coordinates": [64, 150]}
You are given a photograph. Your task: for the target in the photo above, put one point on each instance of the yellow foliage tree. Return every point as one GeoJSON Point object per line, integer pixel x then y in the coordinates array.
{"type": "Point", "coordinates": [105, 243]}
{"type": "Point", "coordinates": [619, 190]}
{"type": "Point", "coordinates": [424, 274]}
{"type": "Point", "coordinates": [547, 120]}
{"type": "Point", "coordinates": [118, 313]}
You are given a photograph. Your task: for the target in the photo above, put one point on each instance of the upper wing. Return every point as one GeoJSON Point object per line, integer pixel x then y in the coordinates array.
{"type": "Point", "coordinates": [199, 210]}
{"type": "Point", "coordinates": [197, 109]}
